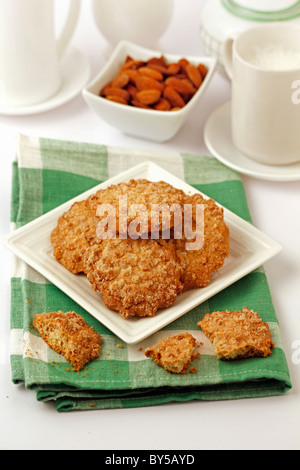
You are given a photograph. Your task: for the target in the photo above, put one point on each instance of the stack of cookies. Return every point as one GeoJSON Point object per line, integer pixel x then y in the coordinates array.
{"type": "Point", "coordinates": [139, 248]}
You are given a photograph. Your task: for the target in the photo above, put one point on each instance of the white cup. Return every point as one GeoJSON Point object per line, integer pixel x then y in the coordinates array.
{"type": "Point", "coordinates": [140, 21]}
{"type": "Point", "coordinates": [265, 111]}
{"type": "Point", "coordinates": [29, 52]}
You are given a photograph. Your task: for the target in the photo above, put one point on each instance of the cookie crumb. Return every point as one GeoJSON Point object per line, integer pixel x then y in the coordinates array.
{"type": "Point", "coordinates": [174, 353]}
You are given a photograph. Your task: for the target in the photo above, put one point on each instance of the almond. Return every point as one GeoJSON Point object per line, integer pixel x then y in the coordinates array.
{"type": "Point", "coordinates": [159, 68]}
{"type": "Point", "coordinates": [106, 87]}
{"type": "Point", "coordinates": [120, 92]}
{"type": "Point", "coordinates": [157, 61]}
{"type": "Point", "coordinates": [173, 69]}
{"type": "Point", "coordinates": [132, 90]}
{"type": "Point", "coordinates": [151, 73]}
{"type": "Point", "coordinates": [137, 104]}
{"type": "Point", "coordinates": [203, 70]}
{"type": "Point", "coordinates": [146, 83]}
{"type": "Point", "coordinates": [183, 86]}
{"type": "Point", "coordinates": [116, 99]}
{"type": "Point", "coordinates": [163, 105]}
{"type": "Point", "coordinates": [182, 76]}
{"type": "Point", "coordinates": [132, 74]}
{"type": "Point", "coordinates": [194, 75]}
{"type": "Point", "coordinates": [183, 64]}
{"type": "Point", "coordinates": [148, 97]}
{"type": "Point", "coordinates": [120, 81]}
{"type": "Point", "coordinates": [132, 64]}
{"type": "Point", "coordinates": [173, 97]}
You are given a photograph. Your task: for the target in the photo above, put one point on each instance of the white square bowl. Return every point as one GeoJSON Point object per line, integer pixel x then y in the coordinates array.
{"type": "Point", "coordinates": [249, 249]}
{"type": "Point", "coordinates": [158, 126]}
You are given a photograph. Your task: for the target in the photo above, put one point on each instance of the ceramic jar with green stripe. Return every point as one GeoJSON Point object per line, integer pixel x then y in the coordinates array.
{"type": "Point", "coordinates": [221, 18]}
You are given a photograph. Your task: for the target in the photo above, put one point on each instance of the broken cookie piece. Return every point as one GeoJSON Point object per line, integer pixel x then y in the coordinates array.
{"type": "Point", "coordinates": [174, 353]}
{"type": "Point", "coordinates": [237, 335]}
{"type": "Point", "coordinates": [68, 334]}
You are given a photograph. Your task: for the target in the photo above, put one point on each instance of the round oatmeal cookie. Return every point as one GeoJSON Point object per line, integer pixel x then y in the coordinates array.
{"type": "Point", "coordinates": [141, 206]}
{"type": "Point", "coordinates": [74, 233]}
{"type": "Point", "coordinates": [135, 277]}
{"type": "Point", "coordinates": [199, 263]}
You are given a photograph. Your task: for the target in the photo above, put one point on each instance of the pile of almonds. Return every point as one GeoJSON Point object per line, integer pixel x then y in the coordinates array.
{"type": "Point", "coordinates": [155, 84]}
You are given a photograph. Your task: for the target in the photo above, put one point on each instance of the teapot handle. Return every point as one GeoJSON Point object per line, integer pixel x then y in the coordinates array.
{"type": "Point", "coordinates": [228, 53]}
{"type": "Point", "coordinates": [69, 28]}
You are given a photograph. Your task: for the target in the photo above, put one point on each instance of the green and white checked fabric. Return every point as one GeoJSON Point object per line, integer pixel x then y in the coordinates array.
{"type": "Point", "coordinates": [48, 173]}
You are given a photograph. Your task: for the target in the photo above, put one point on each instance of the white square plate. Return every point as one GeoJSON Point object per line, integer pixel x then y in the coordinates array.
{"type": "Point", "coordinates": [250, 249]}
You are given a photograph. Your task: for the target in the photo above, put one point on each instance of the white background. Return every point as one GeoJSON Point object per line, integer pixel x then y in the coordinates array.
{"type": "Point", "coordinates": [269, 423]}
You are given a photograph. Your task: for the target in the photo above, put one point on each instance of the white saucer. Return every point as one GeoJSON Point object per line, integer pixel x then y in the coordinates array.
{"type": "Point", "coordinates": [217, 135]}
{"type": "Point", "coordinates": [75, 71]}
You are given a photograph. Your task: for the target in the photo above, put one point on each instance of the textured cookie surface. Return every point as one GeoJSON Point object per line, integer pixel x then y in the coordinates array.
{"type": "Point", "coordinates": [237, 335]}
{"type": "Point", "coordinates": [135, 277]}
{"type": "Point", "coordinates": [68, 334]}
{"type": "Point", "coordinates": [174, 353]}
{"type": "Point", "coordinates": [200, 262]}
{"type": "Point", "coordinates": [74, 233]}
{"type": "Point", "coordinates": [150, 202]}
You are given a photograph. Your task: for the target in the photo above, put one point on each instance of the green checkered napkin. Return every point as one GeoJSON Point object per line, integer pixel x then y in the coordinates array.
{"type": "Point", "coordinates": [48, 173]}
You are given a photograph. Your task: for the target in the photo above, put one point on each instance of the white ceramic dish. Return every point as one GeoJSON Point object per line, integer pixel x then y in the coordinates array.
{"type": "Point", "coordinates": [218, 139]}
{"type": "Point", "coordinates": [75, 71]}
{"type": "Point", "coordinates": [154, 125]}
{"type": "Point", "coordinates": [250, 249]}
{"type": "Point", "coordinates": [142, 22]}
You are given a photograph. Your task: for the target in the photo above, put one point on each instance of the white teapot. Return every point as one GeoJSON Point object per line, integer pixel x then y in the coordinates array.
{"type": "Point", "coordinates": [221, 18]}
{"type": "Point", "coordinates": [139, 21]}
{"type": "Point", "coordinates": [30, 54]}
